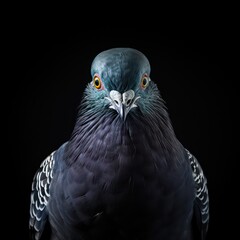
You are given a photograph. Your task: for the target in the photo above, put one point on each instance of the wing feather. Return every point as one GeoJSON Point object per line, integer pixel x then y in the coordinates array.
{"type": "Point", "coordinates": [39, 197]}
{"type": "Point", "coordinates": [201, 204]}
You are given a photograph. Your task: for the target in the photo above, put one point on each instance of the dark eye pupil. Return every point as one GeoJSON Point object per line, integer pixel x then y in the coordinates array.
{"type": "Point", "coordinates": [144, 81]}
{"type": "Point", "coordinates": [97, 82]}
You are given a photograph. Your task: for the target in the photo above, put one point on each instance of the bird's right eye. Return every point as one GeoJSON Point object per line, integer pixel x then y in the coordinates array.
{"type": "Point", "coordinates": [97, 82]}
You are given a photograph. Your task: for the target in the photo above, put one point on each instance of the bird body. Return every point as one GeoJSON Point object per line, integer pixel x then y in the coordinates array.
{"type": "Point", "coordinates": [123, 174]}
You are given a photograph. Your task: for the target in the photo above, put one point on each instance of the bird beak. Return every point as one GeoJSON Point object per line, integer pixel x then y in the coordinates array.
{"type": "Point", "coordinates": [122, 103]}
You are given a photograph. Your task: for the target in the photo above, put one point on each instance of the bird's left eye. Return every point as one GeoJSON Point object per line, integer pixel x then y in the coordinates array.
{"type": "Point", "coordinates": [97, 82]}
{"type": "Point", "coordinates": [145, 81]}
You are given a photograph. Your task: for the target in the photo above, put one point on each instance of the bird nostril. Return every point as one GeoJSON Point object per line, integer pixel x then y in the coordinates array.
{"type": "Point", "coordinates": [129, 101]}
{"type": "Point", "coordinates": [116, 102]}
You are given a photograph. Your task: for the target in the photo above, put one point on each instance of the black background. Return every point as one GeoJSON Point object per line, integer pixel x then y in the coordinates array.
{"type": "Point", "coordinates": [50, 67]}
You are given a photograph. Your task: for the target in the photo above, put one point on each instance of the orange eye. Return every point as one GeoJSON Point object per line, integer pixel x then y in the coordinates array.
{"type": "Point", "coordinates": [97, 82]}
{"type": "Point", "coordinates": [145, 81]}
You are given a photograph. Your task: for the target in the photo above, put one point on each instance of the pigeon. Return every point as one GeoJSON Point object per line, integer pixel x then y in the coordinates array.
{"type": "Point", "coordinates": [122, 174]}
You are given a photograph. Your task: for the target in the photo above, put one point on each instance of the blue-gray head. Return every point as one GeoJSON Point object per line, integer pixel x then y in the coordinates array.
{"type": "Point", "coordinates": [121, 81]}
{"type": "Point", "coordinates": [120, 102]}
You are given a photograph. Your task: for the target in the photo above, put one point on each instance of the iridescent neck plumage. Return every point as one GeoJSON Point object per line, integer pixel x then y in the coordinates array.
{"type": "Point", "coordinates": [100, 129]}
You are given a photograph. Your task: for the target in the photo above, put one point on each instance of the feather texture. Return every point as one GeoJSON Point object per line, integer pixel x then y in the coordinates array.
{"type": "Point", "coordinates": [202, 197]}
{"type": "Point", "coordinates": [39, 197]}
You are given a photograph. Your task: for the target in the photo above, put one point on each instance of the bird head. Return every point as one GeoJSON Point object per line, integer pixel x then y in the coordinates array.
{"type": "Point", "coordinates": [120, 81]}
